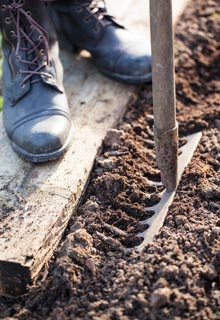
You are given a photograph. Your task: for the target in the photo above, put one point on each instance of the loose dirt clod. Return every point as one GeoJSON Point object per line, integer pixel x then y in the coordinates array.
{"type": "Point", "coordinates": [113, 137]}
{"type": "Point", "coordinates": [160, 297]}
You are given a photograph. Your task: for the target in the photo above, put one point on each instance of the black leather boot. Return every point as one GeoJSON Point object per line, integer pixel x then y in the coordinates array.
{"type": "Point", "coordinates": [35, 109]}
{"type": "Point", "coordinates": [117, 53]}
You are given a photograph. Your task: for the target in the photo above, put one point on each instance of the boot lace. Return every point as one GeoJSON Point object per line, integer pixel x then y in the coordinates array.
{"type": "Point", "coordinates": [97, 8]}
{"type": "Point", "coordinates": [37, 57]}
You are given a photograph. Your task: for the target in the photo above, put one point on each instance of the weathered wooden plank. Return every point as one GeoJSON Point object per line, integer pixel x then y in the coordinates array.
{"type": "Point", "coordinates": [36, 201]}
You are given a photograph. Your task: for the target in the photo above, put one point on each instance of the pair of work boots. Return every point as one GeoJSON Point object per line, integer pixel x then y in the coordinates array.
{"type": "Point", "coordinates": [35, 108]}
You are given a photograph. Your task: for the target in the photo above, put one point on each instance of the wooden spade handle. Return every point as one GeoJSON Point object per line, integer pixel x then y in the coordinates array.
{"type": "Point", "coordinates": [164, 99]}
{"type": "Point", "coordinates": [163, 64]}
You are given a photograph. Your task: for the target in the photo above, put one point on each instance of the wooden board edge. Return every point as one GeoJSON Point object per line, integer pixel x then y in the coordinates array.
{"type": "Point", "coordinates": [16, 277]}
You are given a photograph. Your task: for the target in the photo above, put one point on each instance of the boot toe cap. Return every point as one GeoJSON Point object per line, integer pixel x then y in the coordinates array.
{"type": "Point", "coordinates": [42, 140]}
{"type": "Point", "coordinates": [128, 59]}
{"type": "Point", "coordinates": [132, 64]}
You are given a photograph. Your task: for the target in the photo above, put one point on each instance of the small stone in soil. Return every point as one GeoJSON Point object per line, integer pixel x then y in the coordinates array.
{"type": "Point", "coordinates": [209, 272]}
{"type": "Point", "coordinates": [160, 297]}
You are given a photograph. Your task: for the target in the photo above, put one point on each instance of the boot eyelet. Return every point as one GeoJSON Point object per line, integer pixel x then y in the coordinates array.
{"type": "Point", "coordinates": [87, 20]}
{"type": "Point", "coordinates": [42, 52]}
{"type": "Point", "coordinates": [22, 86]}
{"type": "Point", "coordinates": [50, 77]}
{"type": "Point", "coordinates": [29, 13]}
{"type": "Point", "coordinates": [12, 33]}
{"type": "Point", "coordinates": [78, 9]}
{"type": "Point", "coordinates": [21, 2]}
{"type": "Point", "coordinates": [8, 20]}
{"type": "Point", "coordinates": [40, 37]}
{"type": "Point", "coordinates": [96, 30]}
{"type": "Point", "coordinates": [18, 58]}
{"type": "Point", "coordinates": [48, 66]}
{"type": "Point", "coordinates": [3, 7]}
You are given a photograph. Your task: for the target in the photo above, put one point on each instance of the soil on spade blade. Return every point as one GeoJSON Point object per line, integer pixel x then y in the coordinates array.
{"type": "Point", "coordinates": [93, 274]}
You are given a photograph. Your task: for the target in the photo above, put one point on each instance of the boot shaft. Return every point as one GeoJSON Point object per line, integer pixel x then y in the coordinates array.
{"type": "Point", "coordinates": [29, 46]}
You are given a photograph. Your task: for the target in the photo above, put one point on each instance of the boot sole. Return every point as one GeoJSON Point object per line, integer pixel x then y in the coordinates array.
{"type": "Point", "coordinates": [127, 79]}
{"type": "Point", "coordinates": [38, 158]}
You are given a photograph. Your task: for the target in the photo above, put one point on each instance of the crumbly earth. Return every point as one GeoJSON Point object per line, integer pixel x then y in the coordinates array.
{"type": "Point", "coordinates": [96, 273]}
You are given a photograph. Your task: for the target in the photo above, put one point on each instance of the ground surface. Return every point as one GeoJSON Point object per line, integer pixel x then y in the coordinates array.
{"type": "Point", "coordinates": [93, 275]}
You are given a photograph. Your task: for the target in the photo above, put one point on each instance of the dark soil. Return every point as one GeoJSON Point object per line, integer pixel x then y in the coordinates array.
{"type": "Point", "coordinates": [94, 274]}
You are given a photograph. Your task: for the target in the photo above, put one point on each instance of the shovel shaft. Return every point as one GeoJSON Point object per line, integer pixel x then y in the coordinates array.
{"type": "Point", "coordinates": [164, 100]}
{"type": "Point", "coordinates": [163, 64]}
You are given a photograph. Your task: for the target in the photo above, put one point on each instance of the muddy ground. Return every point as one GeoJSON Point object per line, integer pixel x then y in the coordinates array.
{"type": "Point", "coordinates": [93, 274]}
